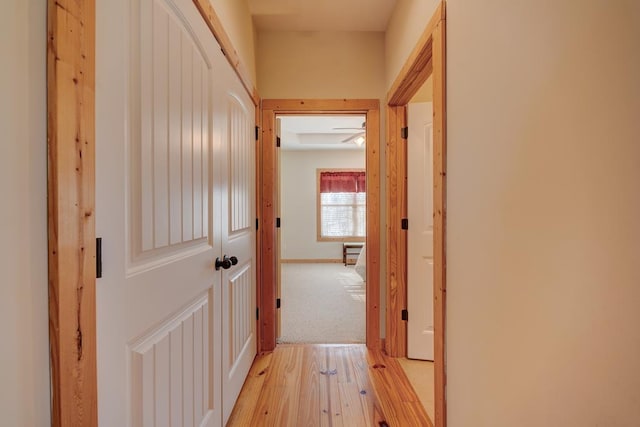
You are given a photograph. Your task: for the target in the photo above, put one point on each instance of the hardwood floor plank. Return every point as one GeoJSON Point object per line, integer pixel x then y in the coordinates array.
{"type": "Point", "coordinates": [398, 401]}
{"type": "Point", "coordinates": [357, 356]}
{"type": "Point", "coordinates": [251, 390]}
{"type": "Point", "coordinates": [335, 373]}
{"type": "Point", "coordinates": [325, 402]}
{"type": "Point", "coordinates": [308, 414]}
{"type": "Point", "coordinates": [353, 413]}
{"type": "Point", "coordinates": [415, 411]}
{"type": "Point", "coordinates": [278, 403]}
{"type": "Point", "coordinates": [327, 385]}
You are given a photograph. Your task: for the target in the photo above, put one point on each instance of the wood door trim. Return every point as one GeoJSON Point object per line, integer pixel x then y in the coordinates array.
{"type": "Point", "coordinates": [217, 29]}
{"type": "Point", "coordinates": [258, 178]}
{"type": "Point", "coordinates": [427, 58]}
{"type": "Point", "coordinates": [267, 230]}
{"type": "Point", "coordinates": [396, 180]}
{"type": "Point", "coordinates": [440, 216]}
{"type": "Point", "coordinates": [320, 106]}
{"type": "Point", "coordinates": [71, 209]}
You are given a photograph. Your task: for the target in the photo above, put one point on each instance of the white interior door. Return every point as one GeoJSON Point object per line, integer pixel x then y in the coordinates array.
{"type": "Point", "coordinates": [238, 216]}
{"type": "Point", "coordinates": [165, 99]}
{"type": "Point", "coordinates": [420, 233]}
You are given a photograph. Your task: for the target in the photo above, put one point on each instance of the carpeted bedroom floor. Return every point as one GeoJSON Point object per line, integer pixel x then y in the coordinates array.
{"type": "Point", "coordinates": [322, 303]}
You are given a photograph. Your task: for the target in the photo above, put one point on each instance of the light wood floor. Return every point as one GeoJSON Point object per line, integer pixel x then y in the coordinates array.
{"type": "Point", "coordinates": [421, 376]}
{"type": "Point", "coordinates": [327, 385]}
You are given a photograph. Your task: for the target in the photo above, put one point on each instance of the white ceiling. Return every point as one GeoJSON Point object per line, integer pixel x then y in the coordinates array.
{"type": "Point", "coordinates": [321, 15]}
{"type": "Point", "coordinates": [318, 132]}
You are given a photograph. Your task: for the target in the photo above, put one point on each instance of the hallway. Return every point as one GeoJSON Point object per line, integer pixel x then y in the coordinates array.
{"type": "Point", "coordinates": [328, 385]}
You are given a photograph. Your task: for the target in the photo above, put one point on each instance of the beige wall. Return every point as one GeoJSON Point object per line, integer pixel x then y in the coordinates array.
{"type": "Point", "coordinates": [298, 203]}
{"type": "Point", "coordinates": [238, 25]}
{"type": "Point", "coordinates": [320, 64]}
{"type": "Point", "coordinates": [543, 300]}
{"type": "Point", "coordinates": [24, 354]}
{"type": "Point", "coordinates": [405, 27]}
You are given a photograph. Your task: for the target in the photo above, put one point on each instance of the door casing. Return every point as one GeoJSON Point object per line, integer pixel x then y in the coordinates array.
{"type": "Point", "coordinates": [426, 59]}
{"type": "Point", "coordinates": [268, 203]}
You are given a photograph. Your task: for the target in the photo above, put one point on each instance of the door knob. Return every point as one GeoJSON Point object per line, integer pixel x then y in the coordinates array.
{"type": "Point", "coordinates": [234, 260]}
{"type": "Point", "coordinates": [225, 263]}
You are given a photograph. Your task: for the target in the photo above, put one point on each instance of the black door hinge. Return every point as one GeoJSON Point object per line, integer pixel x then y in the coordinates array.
{"type": "Point", "coordinates": [405, 314]}
{"type": "Point", "coordinates": [278, 141]}
{"type": "Point", "coordinates": [98, 257]}
{"type": "Point", "coordinates": [257, 313]}
{"type": "Point", "coordinates": [277, 302]}
{"type": "Point", "coordinates": [277, 222]}
{"type": "Point", "coordinates": [257, 132]}
{"type": "Point", "coordinates": [405, 223]}
{"type": "Point", "coordinates": [404, 133]}
{"type": "Point", "coordinates": [257, 223]}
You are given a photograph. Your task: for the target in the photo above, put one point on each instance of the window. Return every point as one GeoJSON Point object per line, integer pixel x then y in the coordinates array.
{"type": "Point", "coordinates": [341, 205]}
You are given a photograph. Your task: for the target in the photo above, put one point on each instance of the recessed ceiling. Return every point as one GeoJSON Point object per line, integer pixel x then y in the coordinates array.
{"type": "Point", "coordinates": [319, 132]}
{"type": "Point", "coordinates": [321, 15]}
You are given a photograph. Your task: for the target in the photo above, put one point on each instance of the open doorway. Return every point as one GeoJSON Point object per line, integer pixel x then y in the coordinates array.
{"type": "Point", "coordinates": [322, 228]}
{"type": "Point", "coordinates": [268, 214]}
{"type": "Point", "coordinates": [418, 363]}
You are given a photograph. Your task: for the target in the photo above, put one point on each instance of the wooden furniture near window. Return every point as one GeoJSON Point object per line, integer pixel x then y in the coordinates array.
{"type": "Point", "coordinates": [350, 252]}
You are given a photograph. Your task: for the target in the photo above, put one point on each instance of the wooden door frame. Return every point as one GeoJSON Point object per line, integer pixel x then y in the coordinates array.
{"type": "Point", "coordinates": [267, 216]}
{"type": "Point", "coordinates": [71, 211]}
{"type": "Point", "coordinates": [71, 52]}
{"type": "Point", "coordinates": [426, 59]}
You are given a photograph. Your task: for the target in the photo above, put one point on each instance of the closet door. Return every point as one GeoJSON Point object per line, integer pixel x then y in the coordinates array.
{"type": "Point", "coordinates": [169, 201]}
{"type": "Point", "coordinates": [238, 215]}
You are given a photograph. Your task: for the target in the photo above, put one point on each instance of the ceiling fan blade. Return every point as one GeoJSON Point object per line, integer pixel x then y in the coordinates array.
{"type": "Point", "coordinates": [352, 138]}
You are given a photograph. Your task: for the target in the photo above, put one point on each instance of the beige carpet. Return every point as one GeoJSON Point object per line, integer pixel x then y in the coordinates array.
{"type": "Point", "coordinates": [322, 303]}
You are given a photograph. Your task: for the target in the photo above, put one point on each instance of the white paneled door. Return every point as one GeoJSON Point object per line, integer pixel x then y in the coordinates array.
{"type": "Point", "coordinates": [420, 233]}
{"type": "Point", "coordinates": [174, 192]}
{"type": "Point", "coordinates": [237, 195]}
